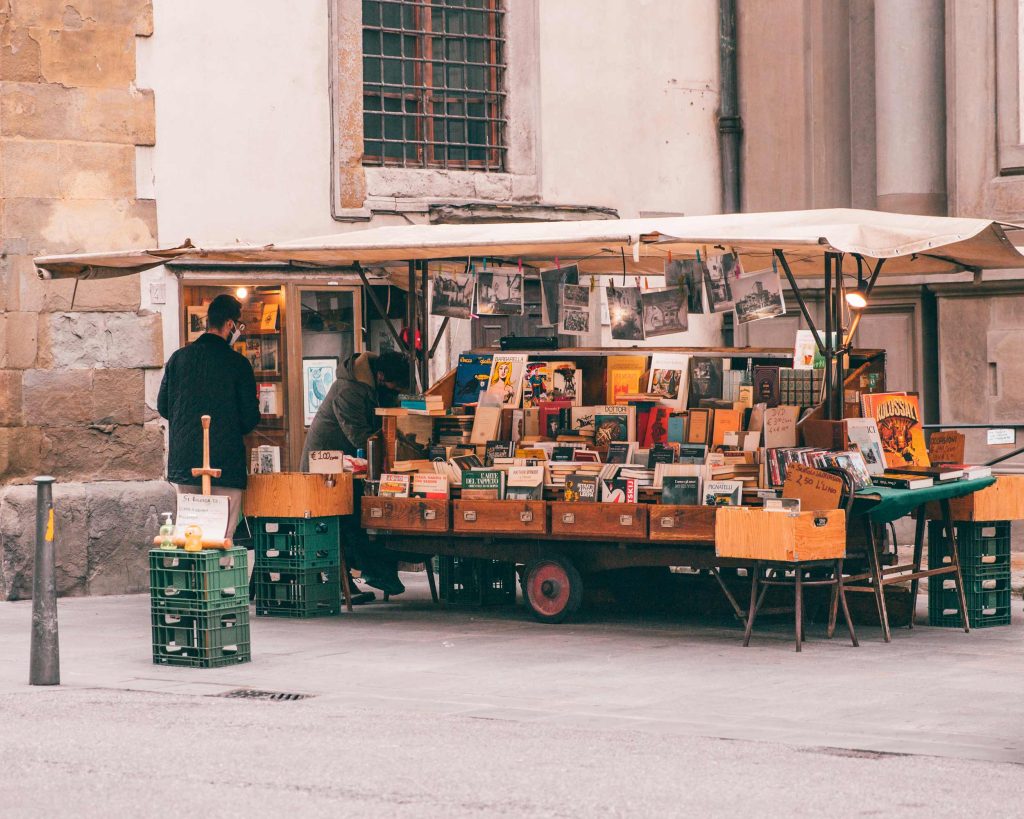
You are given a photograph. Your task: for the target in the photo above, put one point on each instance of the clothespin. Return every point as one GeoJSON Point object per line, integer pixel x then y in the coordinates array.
{"type": "Point", "coordinates": [670, 257]}
{"type": "Point", "coordinates": [622, 253]}
{"type": "Point", "coordinates": [593, 284]}
{"type": "Point", "coordinates": [485, 263]}
{"type": "Point", "coordinates": [558, 266]}
{"type": "Point", "coordinates": [520, 266]}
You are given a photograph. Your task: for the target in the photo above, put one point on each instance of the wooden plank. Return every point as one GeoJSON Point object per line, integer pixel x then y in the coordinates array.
{"type": "Point", "coordinates": [405, 514]}
{"type": "Point", "coordinates": [1004, 500]}
{"type": "Point", "coordinates": [500, 516]}
{"type": "Point", "coordinates": [298, 494]}
{"type": "Point", "coordinates": [604, 521]}
{"type": "Point", "coordinates": [743, 532]}
{"type": "Point", "coordinates": [682, 524]}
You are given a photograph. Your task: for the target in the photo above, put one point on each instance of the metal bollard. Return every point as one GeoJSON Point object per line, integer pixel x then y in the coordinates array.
{"type": "Point", "coordinates": [45, 656]}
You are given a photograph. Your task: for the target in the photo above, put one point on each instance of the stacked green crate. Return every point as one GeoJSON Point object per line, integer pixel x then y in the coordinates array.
{"type": "Point", "coordinates": [476, 581]}
{"type": "Point", "coordinates": [298, 564]}
{"type": "Point", "coordinates": [984, 549]}
{"type": "Point", "coordinates": [200, 607]}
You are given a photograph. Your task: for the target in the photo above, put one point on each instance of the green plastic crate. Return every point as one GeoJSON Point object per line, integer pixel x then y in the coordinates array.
{"type": "Point", "coordinates": [212, 579]}
{"type": "Point", "coordinates": [982, 545]}
{"type": "Point", "coordinates": [201, 641]}
{"type": "Point", "coordinates": [987, 595]}
{"type": "Point", "coordinates": [304, 593]}
{"type": "Point", "coordinates": [289, 544]}
{"type": "Point", "coordinates": [476, 581]}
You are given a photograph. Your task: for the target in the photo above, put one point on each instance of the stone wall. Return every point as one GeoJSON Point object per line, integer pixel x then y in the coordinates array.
{"type": "Point", "coordinates": [73, 356]}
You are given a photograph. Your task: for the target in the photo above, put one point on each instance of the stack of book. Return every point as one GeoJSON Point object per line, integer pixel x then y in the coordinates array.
{"type": "Point", "coordinates": [558, 471]}
{"type": "Point", "coordinates": [421, 404]}
{"type": "Point", "coordinates": [453, 429]}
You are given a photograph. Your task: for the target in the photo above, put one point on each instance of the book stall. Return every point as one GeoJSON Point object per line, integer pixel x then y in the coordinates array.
{"type": "Point", "coordinates": [536, 463]}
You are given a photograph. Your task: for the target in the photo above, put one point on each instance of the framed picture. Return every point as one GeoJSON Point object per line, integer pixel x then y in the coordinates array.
{"type": "Point", "coordinates": [317, 376]}
{"type": "Point", "coordinates": [195, 318]}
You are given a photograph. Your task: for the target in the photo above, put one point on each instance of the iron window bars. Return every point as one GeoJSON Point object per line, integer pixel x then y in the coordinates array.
{"type": "Point", "coordinates": [434, 84]}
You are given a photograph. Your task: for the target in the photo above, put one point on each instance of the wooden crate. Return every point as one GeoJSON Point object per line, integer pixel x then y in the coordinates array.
{"type": "Point", "coordinates": [500, 516]}
{"type": "Point", "coordinates": [1003, 500]}
{"type": "Point", "coordinates": [601, 521]}
{"type": "Point", "coordinates": [682, 524]}
{"type": "Point", "coordinates": [298, 494]}
{"type": "Point", "coordinates": [744, 532]}
{"type": "Point", "coordinates": [405, 514]}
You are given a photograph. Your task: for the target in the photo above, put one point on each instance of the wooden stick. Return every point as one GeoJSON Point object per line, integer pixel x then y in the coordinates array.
{"type": "Point", "coordinates": [205, 470]}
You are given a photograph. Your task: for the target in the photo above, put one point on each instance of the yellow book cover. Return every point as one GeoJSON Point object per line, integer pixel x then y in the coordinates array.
{"type": "Point", "coordinates": [898, 418]}
{"type": "Point", "coordinates": [624, 373]}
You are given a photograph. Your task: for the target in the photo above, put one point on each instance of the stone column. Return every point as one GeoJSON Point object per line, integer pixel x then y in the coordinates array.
{"type": "Point", "coordinates": [910, 107]}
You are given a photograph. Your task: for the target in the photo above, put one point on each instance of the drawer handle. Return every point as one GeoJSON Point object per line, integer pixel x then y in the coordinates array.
{"type": "Point", "coordinates": [526, 517]}
{"type": "Point", "coordinates": [625, 520]}
{"type": "Point", "coordinates": [569, 518]}
{"type": "Point", "coordinates": [470, 515]}
{"type": "Point", "coordinates": [429, 514]}
{"type": "Point", "coordinates": [376, 512]}
{"type": "Point", "coordinates": [273, 528]}
{"type": "Point", "coordinates": [819, 522]}
{"type": "Point", "coordinates": [667, 522]}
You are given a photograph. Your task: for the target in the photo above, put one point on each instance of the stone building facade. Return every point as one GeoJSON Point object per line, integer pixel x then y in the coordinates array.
{"type": "Point", "coordinates": [74, 360]}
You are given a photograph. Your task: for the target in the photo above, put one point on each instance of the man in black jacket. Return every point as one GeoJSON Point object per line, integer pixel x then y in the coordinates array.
{"type": "Point", "coordinates": [209, 378]}
{"type": "Point", "coordinates": [345, 421]}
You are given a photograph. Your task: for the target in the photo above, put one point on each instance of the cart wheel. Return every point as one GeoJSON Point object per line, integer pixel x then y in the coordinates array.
{"type": "Point", "coordinates": [552, 588]}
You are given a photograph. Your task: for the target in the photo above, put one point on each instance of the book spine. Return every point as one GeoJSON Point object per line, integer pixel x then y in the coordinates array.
{"type": "Point", "coordinates": [891, 483]}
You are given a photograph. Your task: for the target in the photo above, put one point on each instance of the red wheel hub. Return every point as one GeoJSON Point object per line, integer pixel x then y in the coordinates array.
{"type": "Point", "coordinates": [548, 589]}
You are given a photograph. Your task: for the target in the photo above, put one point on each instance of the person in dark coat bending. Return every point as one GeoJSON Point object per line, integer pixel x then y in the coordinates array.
{"type": "Point", "coordinates": [345, 421]}
{"type": "Point", "coordinates": [208, 377]}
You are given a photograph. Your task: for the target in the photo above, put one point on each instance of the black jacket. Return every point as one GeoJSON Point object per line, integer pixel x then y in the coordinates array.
{"type": "Point", "coordinates": [347, 417]}
{"type": "Point", "coordinates": [208, 378]}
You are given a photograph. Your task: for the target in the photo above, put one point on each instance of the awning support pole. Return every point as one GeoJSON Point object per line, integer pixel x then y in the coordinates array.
{"type": "Point", "coordinates": [839, 394]}
{"type": "Point", "coordinates": [829, 386]}
{"type": "Point", "coordinates": [425, 324]}
{"type": "Point", "coordinates": [437, 338]}
{"type": "Point", "coordinates": [799, 298]}
{"type": "Point", "coordinates": [410, 325]}
{"type": "Point", "coordinates": [381, 310]}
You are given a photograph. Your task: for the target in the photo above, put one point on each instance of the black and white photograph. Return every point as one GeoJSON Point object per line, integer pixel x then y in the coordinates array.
{"type": "Point", "coordinates": [551, 282]}
{"type": "Point", "coordinates": [499, 292]}
{"type": "Point", "coordinates": [719, 274]}
{"type": "Point", "coordinates": [664, 312]}
{"type": "Point", "coordinates": [452, 295]}
{"type": "Point", "coordinates": [196, 317]}
{"type": "Point", "coordinates": [625, 307]}
{"type": "Point", "coordinates": [758, 296]}
{"type": "Point", "coordinates": [575, 310]}
{"type": "Point", "coordinates": [689, 275]}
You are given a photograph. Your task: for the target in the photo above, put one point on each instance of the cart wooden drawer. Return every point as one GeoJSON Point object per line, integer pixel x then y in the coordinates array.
{"type": "Point", "coordinates": [1003, 500]}
{"type": "Point", "coordinates": [743, 532]}
{"type": "Point", "coordinates": [405, 514]}
{"type": "Point", "coordinates": [683, 524]}
{"type": "Point", "coordinates": [298, 495]}
{"type": "Point", "coordinates": [500, 516]}
{"type": "Point", "coordinates": [604, 521]}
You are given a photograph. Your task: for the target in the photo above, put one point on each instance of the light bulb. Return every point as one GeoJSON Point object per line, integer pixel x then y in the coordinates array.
{"type": "Point", "coordinates": [242, 292]}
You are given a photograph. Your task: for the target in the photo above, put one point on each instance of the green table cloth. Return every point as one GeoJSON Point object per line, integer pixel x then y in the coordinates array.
{"type": "Point", "coordinates": [892, 504]}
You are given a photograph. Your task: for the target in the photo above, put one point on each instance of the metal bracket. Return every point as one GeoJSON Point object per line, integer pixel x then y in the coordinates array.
{"type": "Point", "coordinates": [667, 522]}
{"type": "Point", "coordinates": [526, 517]}
{"type": "Point", "coordinates": [625, 520]}
{"type": "Point", "coordinates": [469, 514]}
{"type": "Point", "coordinates": [569, 517]}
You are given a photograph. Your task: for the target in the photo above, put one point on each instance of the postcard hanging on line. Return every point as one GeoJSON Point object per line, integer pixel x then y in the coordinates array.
{"type": "Point", "coordinates": [499, 292]}
{"type": "Point", "coordinates": [627, 313]}
{"type": "Point", "coordinates": [719, 274]}
{"type": "Point", "coordinates": [688, 275]}
{"type": "Point", "coordinates": [452, 295]}
{"type": "Point", "coordinates": [551, 282]}
{"type": "Point", "coordinates": [664, 312]}
{"type": "Point", "coordinates": [758, 296]}
{"type": "Point", "coordinates": [575, 310]}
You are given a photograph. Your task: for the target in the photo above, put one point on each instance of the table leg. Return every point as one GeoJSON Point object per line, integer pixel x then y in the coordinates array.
{"type": "Point", "coordinates": [752, 615]}
{"type": "Point", "coordinates": [954, 553]}
{"type": "Point", "coordinates": [833, 599]}
{"type": "Point", "coordinates": [728, 594]}
{"type": "Point", "coordinates": [346, 592]}
{"type": "Point", "coordinates": [876, 579]}
{"type": "Point", "coordinates": [842, 600]}
{"type": "Point", "coordinates": [799, 607]}
{"type": "Point", "coordinates": [918, 550]}
{"type": "Point", "coordinates": [428, 564]}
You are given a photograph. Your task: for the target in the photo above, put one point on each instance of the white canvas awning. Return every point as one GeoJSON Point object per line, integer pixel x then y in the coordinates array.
{"type": "Point", "coordinates": [909, 244]}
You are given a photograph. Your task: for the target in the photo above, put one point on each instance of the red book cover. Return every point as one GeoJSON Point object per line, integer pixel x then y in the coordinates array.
{"type": "Point", "coordinates": [548, 419]}
{"type": "Point", "coordinates": [656, 431]}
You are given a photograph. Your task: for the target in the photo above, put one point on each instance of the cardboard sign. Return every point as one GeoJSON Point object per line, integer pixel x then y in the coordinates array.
{"type": "Point", "coordinates": [816, 490]}
{"type": "Point", "coordinates": [208, 512]}
{"type": "Point", "coordinates": [327, 462]}
{"type": "Point", "coordinates": [947, 447]}
{"type": "Point", "coordinates": [780, 426]}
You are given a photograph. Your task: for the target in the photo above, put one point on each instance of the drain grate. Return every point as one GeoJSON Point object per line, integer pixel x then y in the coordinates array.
{"type": "Point", "coordinates": [253, 694]}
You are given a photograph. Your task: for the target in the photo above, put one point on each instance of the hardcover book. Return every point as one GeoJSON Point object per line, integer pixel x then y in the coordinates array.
{"type": "Point", "coordinates": [483, 484]}
{"type": "Point", "coordinates": [680, 490]}
{"type": "Point", "coordinates": [767, 387]}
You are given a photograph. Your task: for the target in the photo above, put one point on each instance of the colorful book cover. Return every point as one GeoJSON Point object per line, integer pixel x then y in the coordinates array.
{"type": "Point", "coordinates": [609, 428]}
{"type": "Point", "coordinates": [898, 418]}
{"type": "Point", "coordinates": [624, 373]}
{"type": "Point", "coordinates": [427, 485]}
{"type": "Point", "coordinates": [580, 488]}
{"type": "Point", "coordinates": [550, 415]}
{"type": "Point", "coordinates": [506, 378]}
{"type": "Point", "coordinates": [471, 377]}
{"type": "Point", "coordinates": [863, 433]}
{"type": "Point", "coordinates": [393, 486]}
{"type": "Point", "coordinates": [668, 378]}
{"type": "Point", "coordinates": [723, 493]}
{"type": "Point", "coordinates": [656, 433]}
{"type": "Point", "coordinates": [618, 490]}
{"type": "Point", "coordinates": [676, 429]}
{"type": "Point", "coordinates": [483, 484]}
{"type": "Point", "coordinates": [498, 449]}
{"type": "Point", "coordinates": [680, 490]}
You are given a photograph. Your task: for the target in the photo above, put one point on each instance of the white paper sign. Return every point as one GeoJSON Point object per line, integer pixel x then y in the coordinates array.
{"type": "Point", "coordinates": [208, 512]}
{"type": "Point", "coordinates": [327, 462]}
{"type": "Point", "coordinates": [1001, 436]}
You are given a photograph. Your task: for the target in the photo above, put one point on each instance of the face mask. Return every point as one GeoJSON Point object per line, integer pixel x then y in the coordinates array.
{"type": "Point", "coordinates": [235, 334]}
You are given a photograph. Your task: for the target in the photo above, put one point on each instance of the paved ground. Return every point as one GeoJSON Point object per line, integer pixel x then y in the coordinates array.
{"type": "Point", "coordinates": [424, 712]}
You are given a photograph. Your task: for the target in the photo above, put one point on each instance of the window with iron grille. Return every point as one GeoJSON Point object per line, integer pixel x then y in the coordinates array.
{"type": "Point", "coordinates": [434, 84]}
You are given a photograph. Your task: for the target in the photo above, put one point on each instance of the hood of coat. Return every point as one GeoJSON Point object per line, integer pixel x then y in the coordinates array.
{"type": "Point", "coordinates": [359, 368]}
